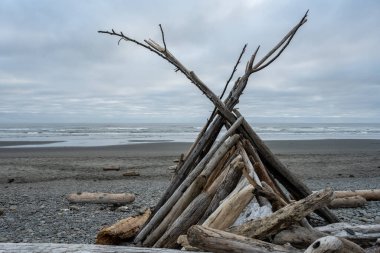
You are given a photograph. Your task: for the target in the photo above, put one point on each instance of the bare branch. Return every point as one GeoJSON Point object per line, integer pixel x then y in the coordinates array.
{"type": "Point", "coordinates": [163, 37]}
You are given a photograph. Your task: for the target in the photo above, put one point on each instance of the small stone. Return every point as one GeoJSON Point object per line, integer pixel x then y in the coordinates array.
{"type": "Point", "coordinates": [142, 210]}
{"type": "Point", "coordinates": [351, 175]}
{"type": "Point", "coordinates": [42, 207]}
{"type": "Point", "coordinates": [13, 208]}
{"type": "Point", "coordinates": [74, 208]}
{"type": "Point", "coordinates": [122, 209]}
{"type": "Point", "coordinates": [3, 239]}
{"type": "Point", "coordinates": [2, 211]}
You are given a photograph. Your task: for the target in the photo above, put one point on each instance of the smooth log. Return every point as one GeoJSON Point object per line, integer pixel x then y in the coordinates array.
{"type": "Point", "coordinates": [332, 244]}
{"type": "Point", "coordinates": [122, 230]}
{"type": "Point", "coordinates": [338, 227]}
{"type": "Point", "coordinates": [216, 154]}
{"type": "Point", "coordinates": [348, 202]}
{"type": "Point", "coordinates": [215, 240]}
{"type": "Point", "coordinates": [75, 248]}
{"type": "Point", "coordinates": [283, 218]}
{"type": "Point", "coordinates": [100, 198]}
{"type": "Point", "coordinates": [131, 174]}
{"type": "Point", "coordinates": [369, 195]}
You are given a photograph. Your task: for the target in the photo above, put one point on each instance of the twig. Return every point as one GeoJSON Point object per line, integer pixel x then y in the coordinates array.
{"type": "Point", "coordinates": [163, 36]}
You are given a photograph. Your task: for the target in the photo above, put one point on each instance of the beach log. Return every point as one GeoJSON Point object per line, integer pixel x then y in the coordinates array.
{"type": "Point", "coordinates": [122, 230]}
{"type": "Point", "coordinates": [338, 227]}
{"type": "Point", "coordinates": [215, 240]}
{"type": "Point", "coordinates": [190, 215]}
{"type": "Point", "coordinates": [334, 245]}
{"type": "Point", "coordinates": [131, 174]}
{"type": "Point", "coordinates": [76, 248]}
{"type": "Point", "coordinates": [284, 217]}
{"type": "Point", "coordinates": [301, 237]}
{"type": "Point", "coordinates": [111, 168]}
{"type": "Point", "coordinates": [369, 195]}
{"type": "Point", "coordinates": [211, 159]}
{"type": "Point", "coordinates": [101, 198]}
{"type": "Point", "coordinates": [348, 202]}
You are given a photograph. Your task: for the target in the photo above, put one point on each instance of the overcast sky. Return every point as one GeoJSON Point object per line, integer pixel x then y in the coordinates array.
{"type": "Point", "coordinates": [55, 67]}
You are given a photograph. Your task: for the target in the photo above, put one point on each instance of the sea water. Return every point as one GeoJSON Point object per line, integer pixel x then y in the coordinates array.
{"type": "Point", "coordinates": [119, 134]}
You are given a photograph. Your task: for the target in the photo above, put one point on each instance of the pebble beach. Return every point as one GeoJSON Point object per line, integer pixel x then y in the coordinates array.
{"type": "Point", "coordinates": [34, 182]}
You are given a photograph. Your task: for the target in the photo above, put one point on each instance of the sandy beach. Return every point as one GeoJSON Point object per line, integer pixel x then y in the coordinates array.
{"type": "Point", "coordinates": [34, 182]}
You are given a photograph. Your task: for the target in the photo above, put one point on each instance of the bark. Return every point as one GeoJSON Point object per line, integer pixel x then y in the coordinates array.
{"type": "Point", "coordinates": [214, 240]}
{"type": "Point", "coordinates": [283, 218]}
{"type": "Point", "coordinates": [101, 198]}
{"type": "Point", "coordinates": [122, 230]}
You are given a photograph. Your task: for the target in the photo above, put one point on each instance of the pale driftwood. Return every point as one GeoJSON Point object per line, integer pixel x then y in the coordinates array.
{"type": "Point", "coordinates": [230, 209]}
{"type": "Point", "coordinates": [100, 198]}
{"type": "Point", "coordinates": [225, 188]}
{"type": "Point", "coordinates": [214, 240]}
{"type": "Point", "coordinates": [182, 240]}
{"type": "Point", "coordinates": [122, 230]}
{"type": "Point", "coordinates": [131, 174]}
{"type": "Point", "coordinates": [75, 248]}
{"type": "Point", "coordinates": [334, 245]}
{"type": "Point", "coordinates": [348, 202]}
{"type": "Point", "coordinates": [338, 227]}
{"type": "Point", "coordinates": [252, 211]}
{"type": "Point", "coordinates": [217, 152]}
{"type": "Point", "coordinates": [369, 195]}
{"type": "Point", "coordinates": [293, 212]}
{"type": "Point", "coordinates": [301, 237]}
{"type": "Point", "coordinates": [190, 215]}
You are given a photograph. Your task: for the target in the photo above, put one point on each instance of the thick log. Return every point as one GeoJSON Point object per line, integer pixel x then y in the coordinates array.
{"type": "Point", "coordinates": [214, 240]}
{"type": "Point", "coordinates": [301, 237]}
{"type": "Point", "coordinates": [122, 230]}
{"type": "Point", "coordinates": [190, 215]}
{"type": "Point", "coordinates": [75, 248]}
{"type": "Point", "coordinates": [225, 188]}
{"type": "Point", "coordinates": [217, 152]}
{"type": "Point", "coordinates": [369, 195]}
{"type": "Point", "coordinates": [332, 244]}
{"type": "Point", "coordinates": [230, 209]}
{"type": "Point", "coordinates": [348, 202]}
{"type": "Point", "coordinates": [283, 218]}
{"type": "Point", "coordinates": [100, 198]}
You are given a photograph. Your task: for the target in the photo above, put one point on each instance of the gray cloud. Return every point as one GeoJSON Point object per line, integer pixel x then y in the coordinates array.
{"type": "Point", "coordinates": [54, 66]}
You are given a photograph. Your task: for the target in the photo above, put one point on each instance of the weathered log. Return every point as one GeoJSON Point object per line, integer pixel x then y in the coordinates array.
{"type": "Point", "coordinates": [293, 212]}
{"type": "Point", "coordinates": [336, 228]}
{"type": "Point", "coordinates": [220, 241]}
{"type": "Point", "coordinates": [100, 198]}
{"type": "Point", "coordinates": [369, 195]}
{"type": "Point", "coordinates": [225, 188]}
{"type": "Point", "coordinates": [217, 152]}
{"type": "Point", "coordinates": [75, 248]}
{"type": "Point", "coordinates": [230, 209]}
{"type": "Point", "coordinates": [122, 230]}
{"type": "Point", "coordinates": [182, 240]}
{"type": "Point", "coordinates": [332, 244]}
{"type": "Point", "coordinates": [301, 237]}
{"type": "Point", "coordinates": [111, 168]}
{"type": "Point", "coordinates": [348, 202]}
{"type": "Point", "coordinates": [131, 174]}
{"type": "Point", "coordinates": [188, 196]}
{"type": "Point", "coordinates": [190, 215]}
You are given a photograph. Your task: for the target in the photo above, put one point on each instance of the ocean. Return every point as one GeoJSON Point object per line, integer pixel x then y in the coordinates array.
{"type": "Point", "coordinates": [119, 134]}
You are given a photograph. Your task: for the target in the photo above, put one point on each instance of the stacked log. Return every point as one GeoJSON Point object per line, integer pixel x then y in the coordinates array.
{"type": "Point", "coordinates": [230, 193]}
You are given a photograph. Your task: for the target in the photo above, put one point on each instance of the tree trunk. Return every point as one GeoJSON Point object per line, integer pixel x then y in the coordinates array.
{"type": "Point", "coordinates": [290, 214]}
{"type": "Point", "coordinates": [214, 240]}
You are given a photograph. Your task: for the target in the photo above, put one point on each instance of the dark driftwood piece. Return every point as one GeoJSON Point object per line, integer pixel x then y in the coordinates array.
{"type": "Point", "coordinates": [214, 240]}
{"type": "Point", "coordinates": [283, 218]}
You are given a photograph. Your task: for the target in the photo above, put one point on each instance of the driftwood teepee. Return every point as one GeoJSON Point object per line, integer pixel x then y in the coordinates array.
{"type": "Point", "coordinates": [229, 190]}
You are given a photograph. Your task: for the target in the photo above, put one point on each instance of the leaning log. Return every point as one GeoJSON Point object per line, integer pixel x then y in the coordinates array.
{"type": "Point", "coordinates": [101, 198]}
{"type": "Point", "coordinates": [215, 240]}
{"type": "Point", "coordinates": [283, 218]}
{"type": "Point", "coordinates": [122, 230]}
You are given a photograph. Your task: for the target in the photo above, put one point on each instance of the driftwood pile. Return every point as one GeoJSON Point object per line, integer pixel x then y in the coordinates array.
{"type": "Point", "coordinates": [230, 193]}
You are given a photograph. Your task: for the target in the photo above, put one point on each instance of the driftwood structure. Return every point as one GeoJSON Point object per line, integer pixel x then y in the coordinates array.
{"type": "Point", "coordinates": [229, 192]}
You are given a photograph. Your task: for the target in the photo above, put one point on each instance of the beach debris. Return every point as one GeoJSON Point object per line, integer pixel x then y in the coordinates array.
{"type": "Point", "coordinates": [122, 209]}
{"type": "Point", "coordinates": [101, 198]}
{"type": "Point", "coordinates": [348, 202]}
{"type": "Point", "coordinates": [131, 174]}
{"type": "Point", "coordinates": [369, 195]}
{"type": "Point", "coordinates": [123, 229]}
{"type": "Point", "coordinates": [111, 168]}
{"type": "Point", "coordinates": [229, 192]}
